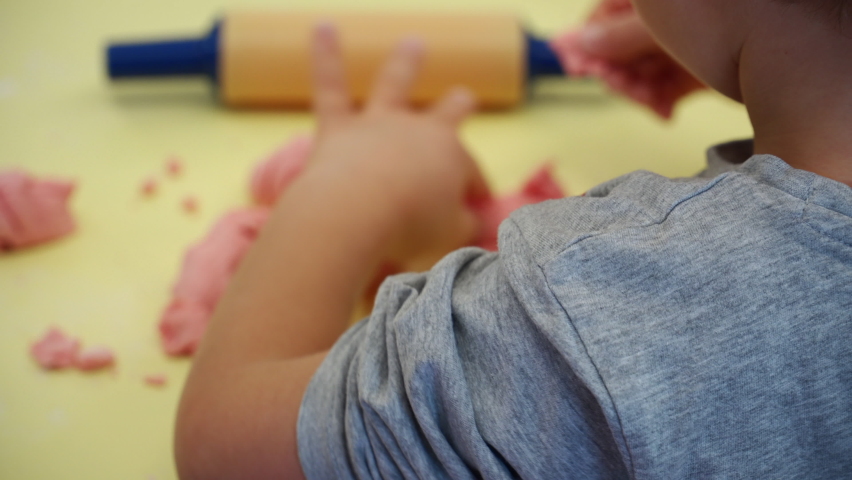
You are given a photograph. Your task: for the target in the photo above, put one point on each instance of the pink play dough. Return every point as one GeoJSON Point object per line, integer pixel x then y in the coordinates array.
{"type": "Point", "coordinates": [155, 380]}
{"type": "Point", "coordinates": [209, 265]}
{"type": "Point", "coordinates": [207, 268]}
{"type": "Point", "coordinates": [94, 358]}
{"type": "Point", "coordinates": [189, 204]}
{"type": "Point", "coordinates": [149, 186]}
{"type": "Point", "coordinates": [540, 187]}
{"type": "Point", "coordinates": [55, 350]}
{"type": "Point", "coordinates": [274, 174]}
{"type": "Point", "coordinates": [174, 166]}
{"type": "Point", "coordinates": [33, 210]}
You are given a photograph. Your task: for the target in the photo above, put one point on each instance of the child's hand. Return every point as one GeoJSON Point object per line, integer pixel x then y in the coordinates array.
{"type": "Point", "coordinates": [410, 164]}
{"type": "Point", "coordinates": [616, 46]}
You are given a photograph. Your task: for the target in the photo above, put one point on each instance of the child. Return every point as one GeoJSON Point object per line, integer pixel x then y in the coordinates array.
{"type": "Point", "coordinates": [654, 328]}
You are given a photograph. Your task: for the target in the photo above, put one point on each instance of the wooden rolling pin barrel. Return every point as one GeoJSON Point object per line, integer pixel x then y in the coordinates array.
{"type": "Point", "coordinates": [262, 58]}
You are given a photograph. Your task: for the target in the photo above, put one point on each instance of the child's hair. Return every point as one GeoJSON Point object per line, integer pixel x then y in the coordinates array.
{"type": "Point", "coordinates": [837, 12]}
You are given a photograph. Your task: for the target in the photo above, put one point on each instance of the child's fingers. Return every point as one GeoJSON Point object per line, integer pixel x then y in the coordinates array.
{"type": "Point", "coordinates": [452, 109]}
{"type": "Point", "coordinates": [394, 82]}
{"type": "Point", "coordinates": [331, 97]}
{"type": "Point", "coordinates": [610, 8]}
{"type": "Point", "coordinates": [620, 39]}
{"type": "Point", "coordinates": [454, 106]}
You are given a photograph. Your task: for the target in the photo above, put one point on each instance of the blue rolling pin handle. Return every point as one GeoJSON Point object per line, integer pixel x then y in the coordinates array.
{"type": "Point", "coordinates": [541, 59]}
{"type": "Point", "coordinates": [178, 57]}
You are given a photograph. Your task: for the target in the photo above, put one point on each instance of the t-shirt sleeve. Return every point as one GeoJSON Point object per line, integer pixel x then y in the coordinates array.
{"type": "Point", "coordinates": [450, 377]}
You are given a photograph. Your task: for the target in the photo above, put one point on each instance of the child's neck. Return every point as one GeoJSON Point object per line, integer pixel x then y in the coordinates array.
{"type": "Point", "coordinates": [796, 82]}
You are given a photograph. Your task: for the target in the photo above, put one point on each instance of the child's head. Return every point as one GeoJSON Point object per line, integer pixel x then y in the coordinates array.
{"type": "Point", "coordinates": [708, 36]}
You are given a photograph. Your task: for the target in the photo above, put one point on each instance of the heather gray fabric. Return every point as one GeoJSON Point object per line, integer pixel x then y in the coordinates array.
{"type": "Point", "coordinates": [654, 328]}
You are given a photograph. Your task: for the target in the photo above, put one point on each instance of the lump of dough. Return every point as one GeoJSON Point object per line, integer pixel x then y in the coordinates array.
{"type": "Point", "coordinates": [33, 210]}
{"type": "Point", "coordinates": [540, 187]}
{"type": "Point", "coordinates": [272, 176]}
{"type": "Point", "coordinates": [207, 269]}
{"type": "Point", "coordinates": [55, 350]}
{"type": "Point", "coordinates": [182, 325]}
{"type": "Point", "coordinates": [94, 358]}
{"type": "Point", "coordinates": [209, 265]}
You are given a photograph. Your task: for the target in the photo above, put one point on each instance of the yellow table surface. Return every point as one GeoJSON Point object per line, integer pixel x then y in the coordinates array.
{"type": "Point", "coordinates": [108, 282]}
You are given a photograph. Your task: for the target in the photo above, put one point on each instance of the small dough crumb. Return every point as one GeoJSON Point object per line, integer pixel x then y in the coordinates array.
{"type": "Point", "coordinates": [149, 186]}
{"type": "Point", "coordinates": [174, 166]}
{"type": "Point", "coordinates": [156, 379]}
{"type": "Point", "coordinates": [189, 204]}
{"type": "Point", "coordinates": [94, 358]}
{"type": "Point", "coordinates": [55, 350]}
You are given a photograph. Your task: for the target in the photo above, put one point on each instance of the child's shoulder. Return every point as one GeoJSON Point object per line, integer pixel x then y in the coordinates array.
{"type": "Point", "coordinates": [631, 201]}
{"type": "Point", "coordinates": [642, 200]}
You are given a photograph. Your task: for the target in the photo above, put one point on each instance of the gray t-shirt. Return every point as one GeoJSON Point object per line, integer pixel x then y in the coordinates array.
{"type": "Point", "coordinates": [654, 328]}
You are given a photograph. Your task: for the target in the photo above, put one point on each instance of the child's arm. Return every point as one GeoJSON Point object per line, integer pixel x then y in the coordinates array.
{"type": "Point", "coordinates": [385, 180]}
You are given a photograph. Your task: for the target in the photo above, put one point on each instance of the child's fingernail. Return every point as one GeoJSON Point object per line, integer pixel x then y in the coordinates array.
{"type": "Point", "coordinates": [412, 45]}
{"type": "Point", "coordinates": [324, 27]}
{"type": "Point", "coordinates": [463, 96]}
{"type": "Point", "coordinates": [591, 37]}
{"type": "Point", "coordinates": [325, 32]}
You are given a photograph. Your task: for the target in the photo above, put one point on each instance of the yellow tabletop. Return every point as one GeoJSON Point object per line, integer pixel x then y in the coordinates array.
{"type": "Point", "coordinates": [108, 282]}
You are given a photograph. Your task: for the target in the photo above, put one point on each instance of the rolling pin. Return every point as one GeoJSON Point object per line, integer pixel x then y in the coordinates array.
{"type": "Point", "coordinates": [262, 58]}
